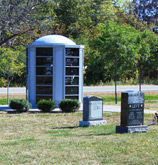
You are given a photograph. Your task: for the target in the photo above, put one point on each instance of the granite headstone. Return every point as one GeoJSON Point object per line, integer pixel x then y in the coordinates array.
{"type": "Point", "coordinates": [92, 111]}
{"type": "Point", "coordinates": [132, 112]}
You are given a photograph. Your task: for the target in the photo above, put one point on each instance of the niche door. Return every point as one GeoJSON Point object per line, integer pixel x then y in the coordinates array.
{"type": "Point", "coordinates": [44, 73]}
{"type": "Point", "coordinates": [72, 73]}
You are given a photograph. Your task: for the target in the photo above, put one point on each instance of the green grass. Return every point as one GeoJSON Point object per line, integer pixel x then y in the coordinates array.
{"type": "Point", "coordinates": [106, 99]}
{"type": "Point", "coordinates": [3, 101]}
{"type": "Point", "coordinates": [56, 138]}
{"type": "Point", "coordinates": [150, 97]}
{"type": "Point", "coordinates": [112, 98]}
{"type": "Point", "coordinates": [10, 143]}
{"type": "Point", "coordinates": [151, 101]}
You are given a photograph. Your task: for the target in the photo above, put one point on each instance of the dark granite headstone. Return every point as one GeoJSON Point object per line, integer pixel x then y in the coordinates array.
{"type": "Point", "coordinates": [132, 108]}
{"type": "Point", "coordinates": [132, 111]}
{"type": "Point", "coordinates": [92, 111]}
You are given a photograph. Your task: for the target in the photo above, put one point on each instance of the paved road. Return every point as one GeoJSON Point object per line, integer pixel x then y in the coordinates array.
{"type": "Point", "coordinates": [94, 89]}
{"type": "Point", "coordinates": [13, 90]}
{"type": "Point", "coordinates": [108, 89]}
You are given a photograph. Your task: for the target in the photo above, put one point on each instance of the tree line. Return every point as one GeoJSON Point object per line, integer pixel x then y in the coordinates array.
{"type": "Point", "coordinates": [118, 44]}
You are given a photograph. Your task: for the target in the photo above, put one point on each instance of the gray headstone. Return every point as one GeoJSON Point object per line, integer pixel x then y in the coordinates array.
{"type": "Point", "coordinates": [92, 108]}
{"type": "Point", "coordinates": [92, 111]}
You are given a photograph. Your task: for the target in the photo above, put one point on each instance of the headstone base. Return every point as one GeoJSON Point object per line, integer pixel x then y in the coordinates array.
{"type": "Point", "coordinates": [92, 123]}
{"type": "Point", "coordinates": [132, 129]}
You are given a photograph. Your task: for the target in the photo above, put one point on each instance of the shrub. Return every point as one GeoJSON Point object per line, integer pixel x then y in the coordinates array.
{"type": "Point", "coordinates": [68, 105]}
{"type": "Point", "coordinates": [46, 105]}
{"type": "Point", "coordinates": [20, 105]}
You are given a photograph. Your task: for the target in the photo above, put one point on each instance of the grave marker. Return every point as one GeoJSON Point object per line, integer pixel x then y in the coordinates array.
{"type": "Point", "coordinates": [132, 113]}
{"type": "Point", "coordinates": [92, 111]}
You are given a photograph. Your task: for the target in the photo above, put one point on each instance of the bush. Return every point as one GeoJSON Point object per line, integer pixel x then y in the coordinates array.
{"type": "Point", "coordinates": [20, 105]}
{"type": "Point", "coordinates": [46, 105]}
{"type": "Point", "coordinates": [68, 105]}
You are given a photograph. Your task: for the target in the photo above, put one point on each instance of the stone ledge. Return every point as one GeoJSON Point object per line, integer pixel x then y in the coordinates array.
{"type": "Point", "coordinates": [132, 129]}
{"type": "Point", "coordinates": [92, 123]}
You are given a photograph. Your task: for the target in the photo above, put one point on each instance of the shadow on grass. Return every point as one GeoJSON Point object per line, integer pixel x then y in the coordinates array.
{"type": "Point", "coordinates": [106, 133]}
{"type": "Point", "coordinates": [101, 134]}
{"type": "Point", "coordinates": [73, 127]}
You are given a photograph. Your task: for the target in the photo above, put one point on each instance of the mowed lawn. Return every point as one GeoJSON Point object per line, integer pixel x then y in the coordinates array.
{"type": "Point", "coordinates": [55, 138]}
{"type": "Point", "coordinates": [151, 99]}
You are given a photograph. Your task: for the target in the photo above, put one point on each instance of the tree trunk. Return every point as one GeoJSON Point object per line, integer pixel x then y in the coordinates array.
{"type": "Point", "coordinates": [140, 80]}
{"type": "Point", "coordinates": [115, 91]}
{"type": "Point", "coordinates": [8, 83]}
{"type": "Point", "coordinates": [115, 80]}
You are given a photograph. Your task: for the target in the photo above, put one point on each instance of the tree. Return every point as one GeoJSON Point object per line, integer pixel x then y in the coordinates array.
{"type": "Point", "coordinates": [118, 51]}
{"type": "Point", "coordinates": [112, 45]}
{"type": "Point", "coordinates": [9, 66]}
{"type": "Point", "coordinates": [18, 17]}
{"type": "Point", "coordinates": [24, 18]}
{"type": "Point", "coordinates": [147, 53]}
{"type": "Point", "coordinates": [147, 10]}
{"type": "Point", "coordinates": [74, 18]}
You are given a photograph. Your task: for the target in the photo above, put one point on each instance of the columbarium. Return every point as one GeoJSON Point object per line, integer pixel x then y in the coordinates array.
{"type": "Point", "coordinates": [54, 69]}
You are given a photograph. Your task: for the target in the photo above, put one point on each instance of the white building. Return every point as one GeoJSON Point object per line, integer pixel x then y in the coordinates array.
{"type": "Point", "coordinates": [54, 69]}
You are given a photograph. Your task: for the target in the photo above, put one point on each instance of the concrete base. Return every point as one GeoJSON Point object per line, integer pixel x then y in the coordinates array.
{"type": "Point", "coordinates": [132, 129]}
{"type": "Point", "coordinates": [92, 123]}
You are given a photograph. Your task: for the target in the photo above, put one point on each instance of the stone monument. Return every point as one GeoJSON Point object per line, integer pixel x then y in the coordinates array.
{"type": "Point", "coordinates": [92, 111]}
{"type": "Point", "coordinates": [132, 113]}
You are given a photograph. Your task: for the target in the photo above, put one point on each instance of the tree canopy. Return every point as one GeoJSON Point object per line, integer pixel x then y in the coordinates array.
{"type": "Point", "coordinates": [10, 65]}
{"type": "Point", "coordinates": [117, 42]}
{"type": "Point", "coordinates": [120, 50]}
{"type": "Point", "coordinates": [20, 17]}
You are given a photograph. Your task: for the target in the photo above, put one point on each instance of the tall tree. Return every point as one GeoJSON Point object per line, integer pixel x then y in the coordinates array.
{"type": "Point", "coordinates": [18, 17]}
{"type": "Point", "coordinates": [147, 53]}
{"type": "Point", "coordinates": [10, 66]}
{"type": "Point", "coordinates": [120, 50]}
{"type": "Point", "coordinates": [112, 46]}
{"type": "Point", "coordinates": [74, 18]}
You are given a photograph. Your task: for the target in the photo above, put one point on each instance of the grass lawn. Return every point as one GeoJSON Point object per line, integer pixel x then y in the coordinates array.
{"type": "Point", "coordinates": [3, 98]}
{"type": "Point", "coordinates": [151, 99]}
{"type": "Point", "coordinates": [56, 139]}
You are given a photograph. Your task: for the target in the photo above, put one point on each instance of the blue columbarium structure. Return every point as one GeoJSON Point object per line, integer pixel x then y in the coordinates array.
{"type": "Point", "coordinates": [54, 69]}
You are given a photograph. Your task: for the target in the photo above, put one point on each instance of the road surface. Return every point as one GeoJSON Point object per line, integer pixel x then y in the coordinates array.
{"type": "Point", "coordinates": [94, 89]}
{"type": "Point", "coordinates": [109, 89]}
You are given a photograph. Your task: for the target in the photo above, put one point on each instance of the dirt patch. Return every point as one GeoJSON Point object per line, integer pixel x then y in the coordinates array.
{"type": "Point", "coordinates": [13, 96]}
